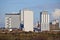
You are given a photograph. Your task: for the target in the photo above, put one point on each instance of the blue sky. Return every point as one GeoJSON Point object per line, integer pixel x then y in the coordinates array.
{"type": "Point", "coordinates": [35, 5]}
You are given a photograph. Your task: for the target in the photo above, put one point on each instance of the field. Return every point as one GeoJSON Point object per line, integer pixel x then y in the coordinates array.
{"type": "Point", "coordinates": [30, 36]}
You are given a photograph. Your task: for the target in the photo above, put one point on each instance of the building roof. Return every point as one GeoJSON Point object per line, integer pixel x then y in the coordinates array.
{"type": "Point", "coordinates": [44, 12]}
{"type": "Point", "coordinates": [12, 14]}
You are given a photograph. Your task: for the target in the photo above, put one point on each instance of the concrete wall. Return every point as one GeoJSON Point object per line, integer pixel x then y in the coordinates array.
{"type": "Point", "coordinates": [27, 19]}
{"type": "Point", "coordinates": [45, 21]}
{"type": "Point", "coordinates": [15, 21]}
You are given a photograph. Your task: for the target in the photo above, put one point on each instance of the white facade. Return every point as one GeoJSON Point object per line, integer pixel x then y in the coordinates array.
{"type": "Point", "coordinates": [12, 21]}
{"type": "Point", "coordinates": [22, 16]}
{"type": "Point", "coordinates": [27, 19]}
{"type": "Point", "coordinates": [44, 20]}
{"type": "Point", "coordinates": [59, 22]}
{"type": "Point", "coordinates": [54, 22]}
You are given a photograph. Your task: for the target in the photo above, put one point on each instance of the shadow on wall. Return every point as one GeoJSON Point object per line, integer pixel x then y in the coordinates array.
{"type": "Point", "coordinates": [21, 26]}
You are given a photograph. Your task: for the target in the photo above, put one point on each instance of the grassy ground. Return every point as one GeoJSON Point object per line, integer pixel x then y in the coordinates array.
{"type": "Point", "coordinates": [30, 36]}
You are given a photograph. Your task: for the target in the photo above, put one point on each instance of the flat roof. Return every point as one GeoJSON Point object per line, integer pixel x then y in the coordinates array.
{"type": "Point", "coordinates": [12, 14]}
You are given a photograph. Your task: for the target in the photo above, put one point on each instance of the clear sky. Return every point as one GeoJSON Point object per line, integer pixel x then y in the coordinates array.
{"type": "Point", "coordinates": [35, 5]}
